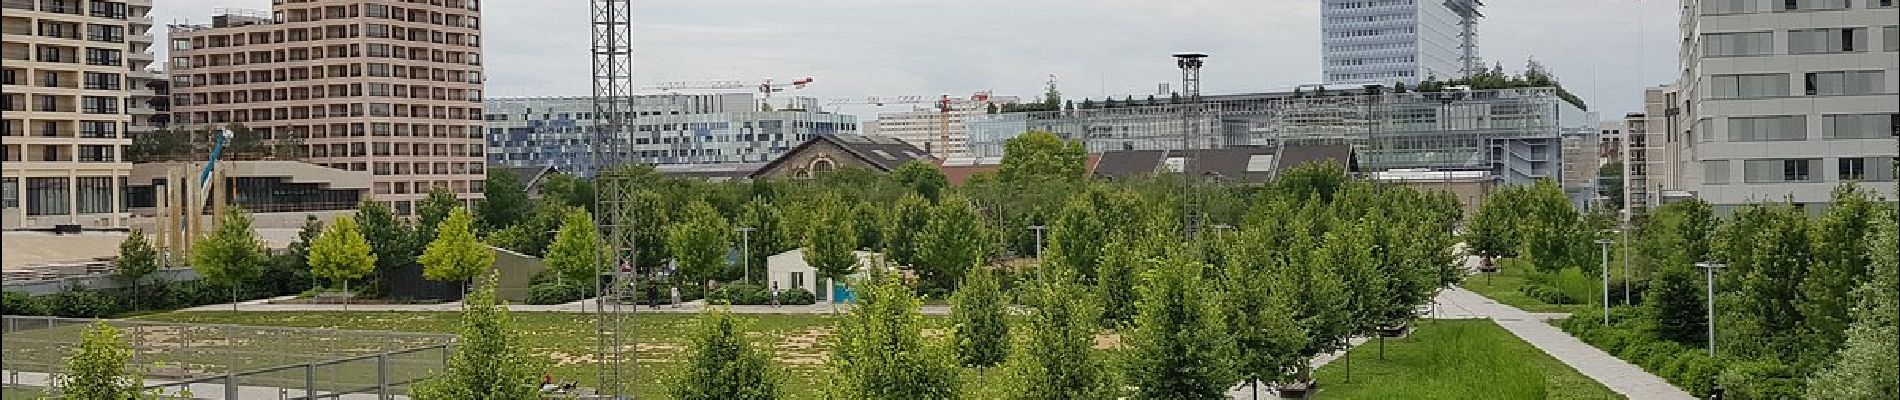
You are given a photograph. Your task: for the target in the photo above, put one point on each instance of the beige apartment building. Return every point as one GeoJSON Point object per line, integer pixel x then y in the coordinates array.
{"type": "Point", "coordinates": [71, 78]}
{"type": "Point", "coordinates": [392, 87]}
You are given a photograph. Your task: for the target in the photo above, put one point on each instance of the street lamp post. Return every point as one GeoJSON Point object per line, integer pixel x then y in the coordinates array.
{"type": "Point", "coordinates": [745, 251]}
{"type": "Point", "coordinates": [1605, 244]}
{"type": "Point", "coordinates": [1708, 270]}
{"type": "Point", "coordinates": [1038, 229]}
{"type": "Point", "coordinates": [1626, 256]}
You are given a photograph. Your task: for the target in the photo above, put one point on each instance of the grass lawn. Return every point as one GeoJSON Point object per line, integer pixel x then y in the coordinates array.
{"type": "Point", "coordinates": [1456, 359]}
{"type": "Point", "coordinates": [20, 393]}
{"type": "Point", "coordinates": [1503, 285]}
{"type": "Point", "coordinates": [658, 340]}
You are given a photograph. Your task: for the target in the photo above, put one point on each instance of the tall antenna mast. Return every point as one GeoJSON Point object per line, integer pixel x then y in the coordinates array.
{"type": "Point", "coordinates": [612, 56]}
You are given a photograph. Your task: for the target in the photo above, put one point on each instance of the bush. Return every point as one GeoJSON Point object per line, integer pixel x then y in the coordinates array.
{"type": "Point", "coordinates": [1545, 293]}
{"type": "Point", "coordinates": [796, 297]}
{"type": "Point", "coordinates": [1760, 379]}
{"type": "Point", "coordinates": [18, 303]}
{"type": "Point", "coordinates": [739, 294]}
{"type": "Point", "coordinates": [1577, 286]}
{"type": "Point", "coordinates": [78, 302]}
{"type": "Point", "coordinates": [555, 292]}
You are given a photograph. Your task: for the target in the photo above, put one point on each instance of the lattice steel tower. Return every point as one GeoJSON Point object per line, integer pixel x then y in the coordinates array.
{"type": "Point", "coordinates": [612, 57]}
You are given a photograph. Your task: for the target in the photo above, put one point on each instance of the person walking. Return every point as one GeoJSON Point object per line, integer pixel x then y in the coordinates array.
{"type": "Point", "coordinates": [775, 294]}
{"type": "Point", "coordinates": [676, 296]}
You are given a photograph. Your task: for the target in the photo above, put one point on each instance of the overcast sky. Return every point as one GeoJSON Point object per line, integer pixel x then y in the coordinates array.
{"type": "Point", "coordinates": [857, 48]}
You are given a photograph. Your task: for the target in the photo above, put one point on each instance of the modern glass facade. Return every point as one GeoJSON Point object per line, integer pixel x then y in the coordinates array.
{"type": "Point", "coordinates": [1515, 134]}
{"type": "Point", "coordinates": [1387, 41]}
{"type": "Point", "coordinates": [665, 129]}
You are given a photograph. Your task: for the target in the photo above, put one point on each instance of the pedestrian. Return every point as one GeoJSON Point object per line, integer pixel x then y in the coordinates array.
{"type": "Point", "coordinates": [774, 293]}
{"type": "Point", "coordinates": [676, 296]}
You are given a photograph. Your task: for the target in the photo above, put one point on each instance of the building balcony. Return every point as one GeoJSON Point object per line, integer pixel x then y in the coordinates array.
{"type": "Point", "coordinates": [17, 4]}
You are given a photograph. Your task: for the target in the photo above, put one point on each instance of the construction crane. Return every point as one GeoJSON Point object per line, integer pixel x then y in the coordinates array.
{"type": "Point", "coordinates": [943, 103]}
{"type": "Point", "coordinates": [765, 88]}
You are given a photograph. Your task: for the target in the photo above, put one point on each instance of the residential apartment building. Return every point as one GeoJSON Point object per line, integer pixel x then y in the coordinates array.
{"type": "Point", "coordinates": [925, 126]}
{"type": "Point", "coordinates": [1610, 137]}
{"type": "Point", "coordinates": [1387, 41]}
{"type": "Point", "coordinates": [393, 87]}
{"type": "Point", "coordinates": [1784, 100]}
{"type": "Point", "coordinates": [665, 129]}
{"type": "Point", "coordinates": [72, 80]}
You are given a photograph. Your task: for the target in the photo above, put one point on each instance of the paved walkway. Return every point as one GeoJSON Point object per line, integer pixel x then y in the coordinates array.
{"type": "Point", "coordinates": [1620, 376]}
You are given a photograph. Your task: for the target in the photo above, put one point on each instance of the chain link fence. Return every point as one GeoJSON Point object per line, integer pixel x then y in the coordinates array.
{"type": "Point", "coordinates": [232, 361]}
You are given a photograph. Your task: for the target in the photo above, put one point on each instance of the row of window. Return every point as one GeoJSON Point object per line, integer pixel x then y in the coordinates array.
{"type": "Point", "coordinates": [1719, 7]}
{"type": "Point", "coordinates": [48, 196]}
{"type": "Point", "coordinates": [1353, 33]}
{"type": "Point", "coordinates": [1828, 83]}
{"type": "Point", "coordinates": [1351, 62]}
{"type": "Point", "coordinates": [1868, 169]}
{"type": "Point", "coordinates": [1795, 127]}
{"type": "Point", "coordinates": [1370, 18]}
{"type": "Point", "coordinates": [1369, 75]}
{"type": "Point", "coordinates": [1366, 4]}
{"type": "Point", "coordinates": [1368, 47]}
{"type": "Point", "coordinates": [1800, 41]}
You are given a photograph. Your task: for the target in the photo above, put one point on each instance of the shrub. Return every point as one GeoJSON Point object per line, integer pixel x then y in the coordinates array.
{"type": "Point", "coordinates": [78, 302]}
{"type": "Point", "coordinates": [1577, 286]}
{"type": "Point", "coordinates": [740, 294]}
{"type": "Point", "coordinates": [1760, 379]}
{"type": "Point", "coordinates": [555, 292]}
{"type": "Point", "coordinates": [1545, 293]}
{"type": "Point", "coordinates": [797, 297]}
{"type": "Point", "coordinates": [18, 303]}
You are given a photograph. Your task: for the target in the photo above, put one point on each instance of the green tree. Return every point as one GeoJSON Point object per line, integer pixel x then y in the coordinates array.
{"type": "Point", "coordinates": [1058, 360]}
{"type": "Point", "coordinates": [1767, 248]}
{"type": "Point", "coordinates": [829, 236]}
{"type": "Point", "coordinates": [910, 215]}
{"type": "Point", "coordinates": [1610, 183]}
{"type": "Point", "coordinates": [951, 243]}
{"type": "Point", "coordinates": [869, 219]}
{"type": "Point", "coordinates": [431, 212]}
{"type": "Point", "coordinates": [574, 256]}
{"type": "Point", "coordinates": [722, 363]}
{"type": "Point", "coordinates": [880, 351]}
{"type": "Point", "coordinates": [456, 255]}
{"type": "Point", "coordinates": [290, 270]}
{"type": "Point", "coordinates": [1180, 348]}
{"type": "Point", "coordinates": [137, 260]}
{"type": "Point", "coordinates": [1841, 257]}
{"type": "Point", "coordinates": [976, 315]}
{"type": "Point", "coordinates": [921, 177]}
{"type": "Point", "coordinates": [767, 234]}
{"type": "Point", "coordinates": [699, 240]}
{"type": "Point", "coordinates": [1320, 180]}
{"type": "Point", "coordinates": [1077, 236]}
{"type": "Point", "coordinates": [392, 240]}
{"type": "Point", "coordinates": [1266, 337]}
{"type": "Point", "coordinates": [341, 254]}
{"type": "Point", "coordinates": [231, 254]}
{"type": "Point", "coordinates": [1863, 368]}
{"type": "Point", "coordinates": [97, 368]}
{"type": "Point", "coordinates": [504, 199]}
{"type": "Point", "coordinates": [568, 190]}
{"type": "Point", "coordinates": [490, 360]}
{"type": "Point", "coordinates": [1122, 263]}
{"type": "Point", "coordinates": [1041, 157]}
{"type": "Point", "coordinates": [1494, 228]}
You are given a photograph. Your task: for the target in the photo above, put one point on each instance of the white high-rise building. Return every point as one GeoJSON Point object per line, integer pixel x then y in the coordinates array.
{"type": "Point", "coordinates": [1388, 41]}
{"type": "Point", "coordinates": [1787, 99]}
{"type": "Point", "coordinates": [923, 126]}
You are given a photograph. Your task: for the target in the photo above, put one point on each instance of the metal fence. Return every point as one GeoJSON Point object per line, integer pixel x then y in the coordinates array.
{"type": "Point", "coordinates": [233, 361]}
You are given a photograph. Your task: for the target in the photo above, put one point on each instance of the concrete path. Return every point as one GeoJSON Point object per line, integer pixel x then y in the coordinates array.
{"type": "Point", "coordinates": [1620, 376]}
{"type": "Point", "coordinates": [587, 305]}
{"type": "Point", "coordinates": [1245, 391]}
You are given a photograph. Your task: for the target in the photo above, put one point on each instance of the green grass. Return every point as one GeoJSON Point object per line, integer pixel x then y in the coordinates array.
{"type": "Point", "coordinates": [658, 340]}
{"type": "Point", "coordinates": [1503, 285]}
{"type": "Point", "coordinates": [1456, 359]}
{"type": "Point", "coordinates": [10, 393]}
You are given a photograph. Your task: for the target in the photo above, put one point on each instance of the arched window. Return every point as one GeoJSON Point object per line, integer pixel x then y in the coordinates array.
{"type": "Point", "coordinates": [822, 165]}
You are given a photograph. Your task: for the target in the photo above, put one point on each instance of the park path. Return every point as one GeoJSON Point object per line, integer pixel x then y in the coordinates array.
{"type": "Point", "coordinates": [1620, 376]}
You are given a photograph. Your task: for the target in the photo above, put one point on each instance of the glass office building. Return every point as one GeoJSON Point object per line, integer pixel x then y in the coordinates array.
{"type": "Point", "coordinates": [664, 130]}
{"type": "Point", "coordinates": [1387, 41]}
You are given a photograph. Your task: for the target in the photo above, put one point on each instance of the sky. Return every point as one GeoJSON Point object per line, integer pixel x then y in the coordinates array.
{"type": "Point", "coordinates": [1606, 51]}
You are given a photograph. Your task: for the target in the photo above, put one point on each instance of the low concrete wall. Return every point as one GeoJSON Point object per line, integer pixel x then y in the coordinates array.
{"type": "Point", "coordinates": [96, 282]}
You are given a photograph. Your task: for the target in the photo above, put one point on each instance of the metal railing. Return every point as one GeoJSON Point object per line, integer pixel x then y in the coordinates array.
{"type": "Point", "coordinates": [235, 361]}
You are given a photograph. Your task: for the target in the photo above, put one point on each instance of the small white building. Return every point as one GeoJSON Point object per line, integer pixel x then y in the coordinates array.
{"type": "Point", "coordinates": [789, 270]}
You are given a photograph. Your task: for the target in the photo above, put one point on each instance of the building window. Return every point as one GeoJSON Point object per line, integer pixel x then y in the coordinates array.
{"type": "Point", "coordinates": [1866, 169]}
{"type": "Point", "coordinates": [1714, 7]}
{"type": "Point", "coordinates": [1738, 44]}
{"type": "Point", "coordinates": [1758, 129]}
{"type": "Point", "coordinates": [99, 104]}
{"type": "Point", "coordinates": [108, 9]}
{"type": "Point", "coordinates": [10, 193]}
{"type": "Point", "coordinates": [1807, 5]}
{"type": "Point", "coordinates": [1752, 85]}
{"type": "Point", "coordinates": [1809, 41]}
{"type": "Point", "coordinates": [1858, 126]}
{"type": "Point", "coordinates": [103, 57]}
{"type": "Point", "coordinates": [98, 129]}
{"type": "Point", "coordinates": [95, 195]}
{"type": "Point", "coordinates": [1844, 83]}
{"type": "Point", "coordinates": [46, 196]}
{"type": "Point", "coordinates": [1890, 38]}
{"type": "Point", "coordinates": [102, 81]}
{"type": "Point", "coordinates": [105, 33]}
